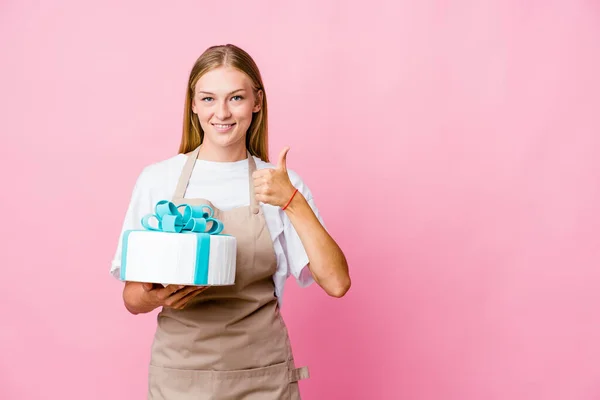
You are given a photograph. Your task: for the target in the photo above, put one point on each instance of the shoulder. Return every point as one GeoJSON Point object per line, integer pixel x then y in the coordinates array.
{"type": "Point", "coordinates": [295, 178]}
{"type": "Point", "coordinates": [160, 172]}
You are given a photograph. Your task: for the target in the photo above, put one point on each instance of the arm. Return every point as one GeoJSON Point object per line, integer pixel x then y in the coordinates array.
{"type": "Point", "coordinates": [138, 297]}
{"type": "Point", "coordinates": [141, 298]}
{"type": "Point", "coordinates": [328, 264]}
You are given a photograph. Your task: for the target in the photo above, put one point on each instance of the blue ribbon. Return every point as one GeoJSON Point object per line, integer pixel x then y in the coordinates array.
{"type": "Point", "coordinates": [191, 219]}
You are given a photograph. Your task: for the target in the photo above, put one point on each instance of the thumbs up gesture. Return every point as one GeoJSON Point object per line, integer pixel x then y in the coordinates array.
{"type": "Point", "coordinates": [273, 186]}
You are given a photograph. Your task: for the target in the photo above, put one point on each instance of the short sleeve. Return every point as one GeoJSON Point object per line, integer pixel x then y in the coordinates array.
{"type": "Point", "coordinates": [140, 204]}
{"type": "Point", "coordinates": [293, 248]}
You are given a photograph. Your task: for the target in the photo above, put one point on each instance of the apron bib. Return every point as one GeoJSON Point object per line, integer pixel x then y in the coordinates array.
{"type": "Point", "coordinates": [229, 342]}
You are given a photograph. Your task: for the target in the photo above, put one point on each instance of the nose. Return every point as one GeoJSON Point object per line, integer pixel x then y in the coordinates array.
{"type": "Point", "coordinates": [223, 112]}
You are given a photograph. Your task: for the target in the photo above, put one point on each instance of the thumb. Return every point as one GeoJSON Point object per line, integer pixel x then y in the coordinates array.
{"type": "Point", "coordinates": [282, 163]}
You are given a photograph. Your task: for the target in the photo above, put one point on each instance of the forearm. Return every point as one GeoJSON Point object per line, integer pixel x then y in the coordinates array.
{"type": "Point", "coordinates": [327, 262]}
{"type": "Point", "coordinates": [136, 299]}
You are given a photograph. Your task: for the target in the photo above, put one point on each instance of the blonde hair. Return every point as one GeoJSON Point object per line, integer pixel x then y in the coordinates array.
{"type": "Point", "coordinates": [230, 56]}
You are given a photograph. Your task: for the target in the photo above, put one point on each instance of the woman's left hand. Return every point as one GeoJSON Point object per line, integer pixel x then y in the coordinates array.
{"type": "Point", "coordinates": [327, 262]}
{"type": "Point", "coordinates": [273, 186]}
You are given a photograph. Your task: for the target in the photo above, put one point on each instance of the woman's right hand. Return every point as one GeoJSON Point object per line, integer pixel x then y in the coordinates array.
{"type": "Point", "coordinates": [144, 297]}
{"type": "Point", "coordinates": [172, 296]}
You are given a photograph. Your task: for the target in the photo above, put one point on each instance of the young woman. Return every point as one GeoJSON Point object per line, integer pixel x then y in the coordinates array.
{"type": "Point", "coordinates": [231, 342]}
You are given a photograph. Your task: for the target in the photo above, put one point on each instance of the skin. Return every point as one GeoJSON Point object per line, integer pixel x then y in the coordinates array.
{"type": "Point", "coordinates": [328, 264]}
{"type": "Point", "coordinates": [225, 96]}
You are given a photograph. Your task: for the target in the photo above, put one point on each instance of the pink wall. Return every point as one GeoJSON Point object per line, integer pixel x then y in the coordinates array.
{"type": "Point", "coordinates": [453, 151]}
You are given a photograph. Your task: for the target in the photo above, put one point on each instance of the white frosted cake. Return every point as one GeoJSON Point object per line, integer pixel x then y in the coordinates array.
{"type": "Point", "coordinates": [180, 251]}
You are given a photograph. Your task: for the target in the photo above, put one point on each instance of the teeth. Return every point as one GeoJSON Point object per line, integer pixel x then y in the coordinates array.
{"type": "Point", "coordinates": [223, 126]}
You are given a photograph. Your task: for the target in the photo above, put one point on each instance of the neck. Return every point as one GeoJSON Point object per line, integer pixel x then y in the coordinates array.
{"type": "Point", "coordinates": [210, 152]}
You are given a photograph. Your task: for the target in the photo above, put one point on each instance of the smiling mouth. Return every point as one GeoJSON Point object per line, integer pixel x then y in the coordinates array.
{"type": "Point", "coordinates": [223, 126]}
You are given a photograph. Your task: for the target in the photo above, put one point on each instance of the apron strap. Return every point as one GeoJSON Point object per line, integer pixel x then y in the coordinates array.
{"type": "Point", "coordinates": [188, 168]}
{"type": "Point", "coordinates": [251, 169]}
{"type": "Point", "coordinates": [186, 173]}
{"type": "Point", "coordinates": [297, 374]}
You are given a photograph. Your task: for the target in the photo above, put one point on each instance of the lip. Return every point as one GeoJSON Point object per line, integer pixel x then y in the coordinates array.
{"type": "Point", "coordinates": [224, 130]}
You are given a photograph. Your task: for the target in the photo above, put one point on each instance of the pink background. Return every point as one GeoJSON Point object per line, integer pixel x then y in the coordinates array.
{"type": "Point", "coordinates": [452, 149]}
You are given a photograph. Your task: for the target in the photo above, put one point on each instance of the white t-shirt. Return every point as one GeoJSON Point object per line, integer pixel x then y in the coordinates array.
{"type": "Point", "coordinates": [226, 185]}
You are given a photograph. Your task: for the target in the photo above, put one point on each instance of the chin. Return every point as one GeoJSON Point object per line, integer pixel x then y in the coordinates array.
{"type": "Point", "coordinates": [226, 140]}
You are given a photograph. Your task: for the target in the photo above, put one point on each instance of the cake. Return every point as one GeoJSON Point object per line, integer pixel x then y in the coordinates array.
{"type": "Point", "coordinates": [181, 248]}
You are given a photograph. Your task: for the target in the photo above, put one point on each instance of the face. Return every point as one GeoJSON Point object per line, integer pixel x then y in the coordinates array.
{"type": "Point", "coordinates": [224, 102]}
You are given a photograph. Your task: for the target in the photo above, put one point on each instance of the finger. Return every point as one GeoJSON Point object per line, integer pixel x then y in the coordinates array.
{"type": "Point", "coordinates": [263, 189]}
{"type": "Point", "coordinates": [262, 198]}
{"type": "Point", "coordinates": [174, 288]}
{"type": "Point", "coordinates": [282, 163]}
{"type": "Point", "coordinates": [264, 176]}
{"type": "Point", "coordinates": [177, 296]}
{"type": "Point", "coordinates": [260, 173]}
{"type": "Point", "coordinates": [261, 181]}
{"type": "Point", "coordinates": [168, 291]}
{"type": "Point", "coordinates": [189, 296]}
{"type": "Point", "coordinates": [147, 286]}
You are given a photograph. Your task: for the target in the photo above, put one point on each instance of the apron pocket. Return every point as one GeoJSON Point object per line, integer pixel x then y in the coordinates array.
{"type": "Point", "coordinates": [276, 382]}
{"type": "Point", "coordinates": [181, 384]}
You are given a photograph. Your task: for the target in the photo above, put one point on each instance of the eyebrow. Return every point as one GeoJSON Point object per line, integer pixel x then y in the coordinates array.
{"type": "Point", "coordinates": [235, 91]}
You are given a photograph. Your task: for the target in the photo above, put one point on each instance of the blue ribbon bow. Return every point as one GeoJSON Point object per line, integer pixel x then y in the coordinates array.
{"type": "Point", "coordinates": [192, 219]}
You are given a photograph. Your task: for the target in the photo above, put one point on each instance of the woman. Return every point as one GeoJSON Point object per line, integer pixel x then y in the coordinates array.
{"type": "Point", "coordinates": [230, 342]}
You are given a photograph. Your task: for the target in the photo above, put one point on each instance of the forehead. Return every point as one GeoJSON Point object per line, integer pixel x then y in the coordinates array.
{"type": "Point", "coordinates": [223, 79]}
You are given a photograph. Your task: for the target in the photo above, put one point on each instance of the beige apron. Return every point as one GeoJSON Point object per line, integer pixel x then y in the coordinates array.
{"type": "Point", "coordinates": [229, 342]}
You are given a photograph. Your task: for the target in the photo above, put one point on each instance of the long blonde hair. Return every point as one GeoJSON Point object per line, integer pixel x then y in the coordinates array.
{"type": "Point", "coordinates": [231, 56]}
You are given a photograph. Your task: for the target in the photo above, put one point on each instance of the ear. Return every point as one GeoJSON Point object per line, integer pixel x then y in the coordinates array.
{"type": "Point", "coordinates": [258, 101]}
{"type": "Point", "coordinates": [194, 106]}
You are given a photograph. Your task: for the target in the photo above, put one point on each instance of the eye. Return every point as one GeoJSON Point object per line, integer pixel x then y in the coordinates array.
{"type": "Point", "coordinates": [237, 97]}
{"type": "Point", "coordinates": [206, 99]}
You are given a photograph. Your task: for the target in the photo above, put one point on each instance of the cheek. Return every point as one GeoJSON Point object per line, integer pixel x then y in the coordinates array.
{"type": "Point", "coordinates": [203, 113]}
{"type": "Point", "coordinates": [243, 112]}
